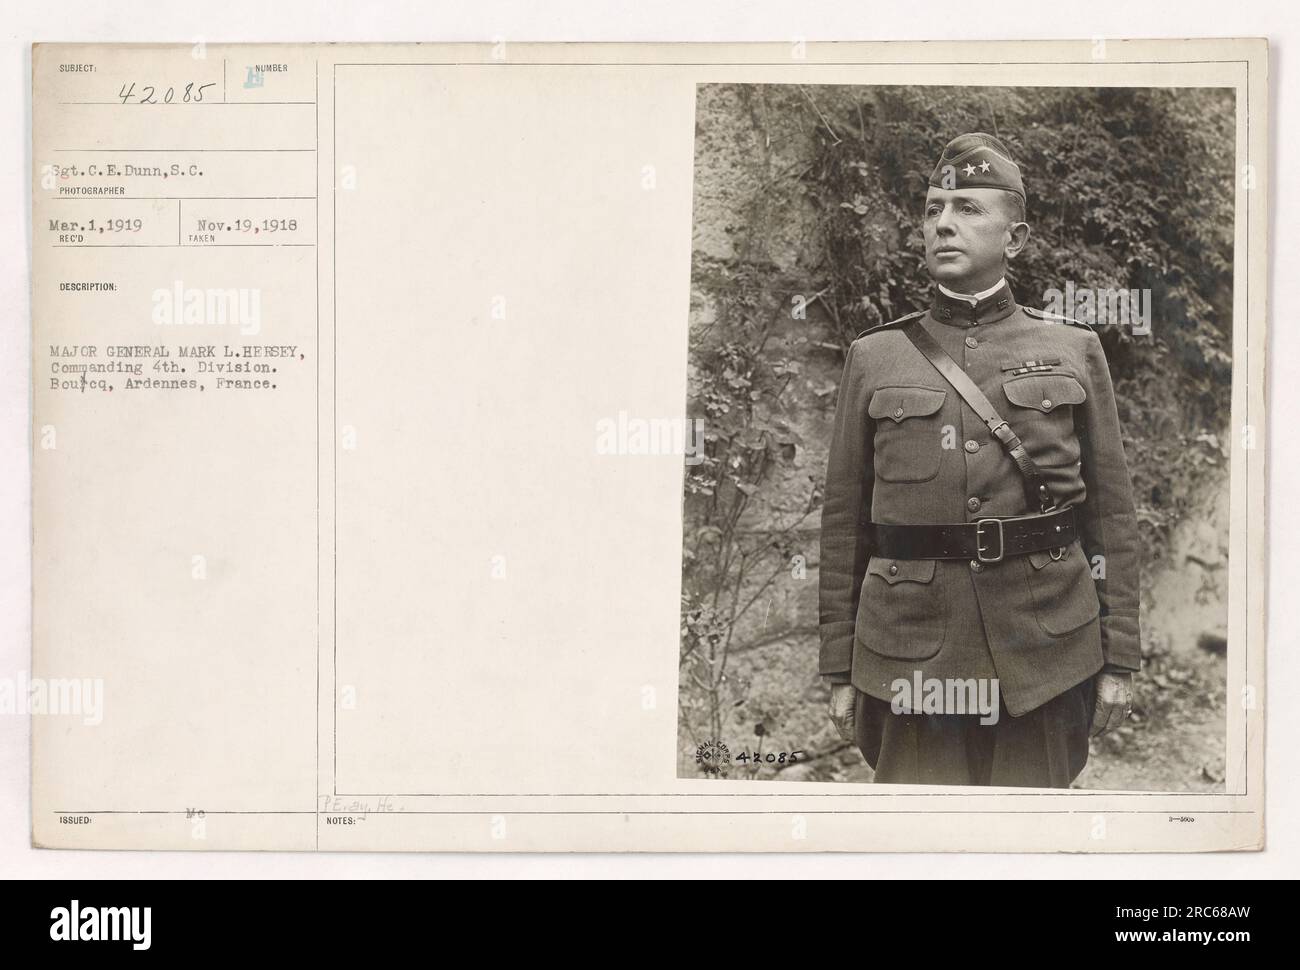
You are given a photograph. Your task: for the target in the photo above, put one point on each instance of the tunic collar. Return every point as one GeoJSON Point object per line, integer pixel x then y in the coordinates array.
{"type": "Point", "coordinates": [958, 311]}
{"type": "Point", "coordinates": [971, 298]}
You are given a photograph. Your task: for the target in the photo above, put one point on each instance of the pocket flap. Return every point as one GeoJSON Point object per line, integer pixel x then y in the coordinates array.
{"type": "Point", "coordinates": [901, 403]}
{"type": "Point", "coordinates": [1041, 557]}
{"type": "Point", "coordinates": [901, 570]}
{"type": "Point", "coordinates": [1043, 392]}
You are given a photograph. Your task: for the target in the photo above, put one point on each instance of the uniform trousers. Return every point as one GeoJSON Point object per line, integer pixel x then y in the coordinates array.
{"type": "Point", "coordinates": [1046, 747]}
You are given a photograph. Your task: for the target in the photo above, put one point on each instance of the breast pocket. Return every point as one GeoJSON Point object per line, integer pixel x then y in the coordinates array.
{"type": "Point", "coordinates": [902, 612]}
{"type": "Point", "coordinates": [1043, 415]}
{"type": "Point", "coordinates": [909, 433]}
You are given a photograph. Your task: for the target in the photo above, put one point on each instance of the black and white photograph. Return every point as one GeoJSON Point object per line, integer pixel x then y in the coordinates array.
{"type": "Point", "coordinates": [726, 441]}
{"type": "Point", "coordinates": [961, 377]}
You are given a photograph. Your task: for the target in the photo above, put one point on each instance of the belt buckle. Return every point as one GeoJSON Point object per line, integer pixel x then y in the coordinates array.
{"type": "Point", "coordinates": [979, 537]}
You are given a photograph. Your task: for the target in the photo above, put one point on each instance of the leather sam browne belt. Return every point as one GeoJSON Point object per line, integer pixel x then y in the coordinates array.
{"type": "Point", "coordinates": [1036, 491]}
{"type": "Point", "coordinates": [984, 540]}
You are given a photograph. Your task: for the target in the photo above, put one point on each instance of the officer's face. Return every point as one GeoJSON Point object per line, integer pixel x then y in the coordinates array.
{"type": "Point", "coordinates": [969, 236]}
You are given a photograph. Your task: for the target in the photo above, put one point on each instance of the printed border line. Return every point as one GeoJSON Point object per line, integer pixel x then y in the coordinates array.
{"type": "Point", "coordinates": [315, 796]}
{"type": "Point", "coordinates": [759, 811]}
{"type": "Point", "coordinates": [804, 65]}
{"type": "Point", "coordinates": [977, 791]}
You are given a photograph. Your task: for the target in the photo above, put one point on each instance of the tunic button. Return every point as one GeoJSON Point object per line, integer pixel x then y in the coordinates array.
{"type": "Point", "coordinates": [972, 446]}
{"type": "Point", "coordinates": [1046, 404]}
{"type": "Point", "coordinates": [973, 504]}
{"type": "Point", "coordinates": [893, 570]}
{"type": "Point", "coordinates": [976, 566]}
{"type": "Point", "coordinates": [972, 343]}
{"type": "Point", "coordinates": [898, 412]}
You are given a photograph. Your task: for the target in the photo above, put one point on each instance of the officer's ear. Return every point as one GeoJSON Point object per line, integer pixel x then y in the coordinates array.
{"type": "Point", "coordinates": [1017, 238]}
{"type": "Point", "coordinates": [1017, 228]}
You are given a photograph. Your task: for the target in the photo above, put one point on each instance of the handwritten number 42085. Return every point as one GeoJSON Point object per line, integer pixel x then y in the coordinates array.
{"type": "Point", "coordinates": [148, 94]}
{"type": "Point", "coordinates": [771, 758]}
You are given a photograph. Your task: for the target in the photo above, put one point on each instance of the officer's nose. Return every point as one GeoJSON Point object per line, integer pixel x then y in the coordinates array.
{"type": "Point", "coordinates": [945, 225]}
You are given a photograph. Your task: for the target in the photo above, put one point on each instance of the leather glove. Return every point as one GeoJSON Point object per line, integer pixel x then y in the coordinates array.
{"type": "Point", "coordinates": [843, 698]}
{"type": "Point", "coordinates": [1114, 702]}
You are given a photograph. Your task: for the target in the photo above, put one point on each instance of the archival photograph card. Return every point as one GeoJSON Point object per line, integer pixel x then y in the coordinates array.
{"type": "Point", "coordinates": [660, 448]}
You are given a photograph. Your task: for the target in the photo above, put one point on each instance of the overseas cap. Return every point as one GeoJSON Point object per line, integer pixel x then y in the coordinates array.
{"type": "Point", "coordinates": [977, 161]}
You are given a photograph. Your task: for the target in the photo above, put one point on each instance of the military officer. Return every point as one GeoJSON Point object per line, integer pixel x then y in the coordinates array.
{"type": "Point", "coordinates": [978, 522]}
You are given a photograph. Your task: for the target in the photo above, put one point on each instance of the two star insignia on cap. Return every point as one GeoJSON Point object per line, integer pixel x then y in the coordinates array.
{"type": "Point", "coordinates": [970, 169]}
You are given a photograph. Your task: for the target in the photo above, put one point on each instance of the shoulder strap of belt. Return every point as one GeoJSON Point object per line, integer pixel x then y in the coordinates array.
{"type": "Point", "coordinates": [1036, 493]}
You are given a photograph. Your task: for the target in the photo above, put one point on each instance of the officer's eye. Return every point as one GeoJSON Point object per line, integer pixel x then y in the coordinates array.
{"type": "Point", "coordinates": [932, 211]}
{"type": "Point", "coordinates": [968, 209]}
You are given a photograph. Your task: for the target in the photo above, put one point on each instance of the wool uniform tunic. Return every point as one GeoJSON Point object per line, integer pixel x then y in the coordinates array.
{"type": "Point", "coordinates": [907, 450]}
